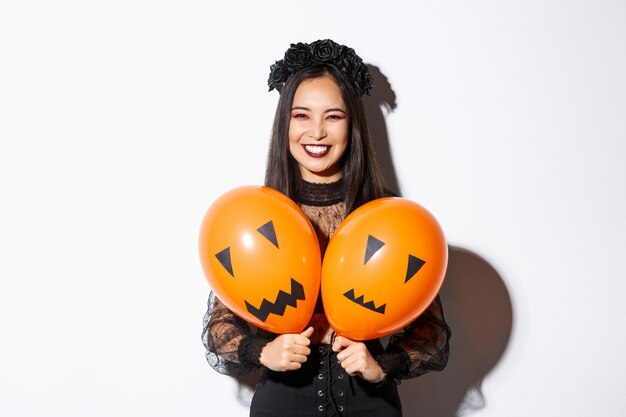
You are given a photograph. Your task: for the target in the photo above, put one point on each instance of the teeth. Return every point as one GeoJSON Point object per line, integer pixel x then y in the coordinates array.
{"type": "Point", "coordinates": [316, 149]}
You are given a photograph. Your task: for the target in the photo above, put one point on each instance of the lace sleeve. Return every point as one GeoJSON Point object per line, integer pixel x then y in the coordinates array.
{"type": "Point", "coordinates": [420, 347]}
{"type": "Point", "coordinates": [232, 347]}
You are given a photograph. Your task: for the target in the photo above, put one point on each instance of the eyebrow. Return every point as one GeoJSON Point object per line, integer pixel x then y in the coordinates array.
{"type": "Point", "coordinates": [325, 111]}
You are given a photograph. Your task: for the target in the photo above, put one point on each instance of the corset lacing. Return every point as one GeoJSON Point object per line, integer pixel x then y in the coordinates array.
{"type": "Point", "coordinates": [331, 383]}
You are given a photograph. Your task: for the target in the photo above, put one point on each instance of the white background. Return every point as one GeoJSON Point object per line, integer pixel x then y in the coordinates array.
{"type": "Point", "coordinates": [121, 121]}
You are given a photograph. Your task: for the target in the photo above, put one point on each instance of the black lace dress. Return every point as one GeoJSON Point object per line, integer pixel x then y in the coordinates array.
{"type": "Point", "coordinates": [321, 387]}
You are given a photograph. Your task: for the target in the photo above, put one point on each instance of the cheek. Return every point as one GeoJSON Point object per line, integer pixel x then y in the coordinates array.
{"type": "Point", "coordinates": [294, 148]}
{"type": "Point", "coordinates": [342, 142]}
{"type": "Point", "coordinates": [295, 132]}
{"type": "Point", "coordinates": [340, 132]}
{"type": "Point", "coordinates": [292, 140]}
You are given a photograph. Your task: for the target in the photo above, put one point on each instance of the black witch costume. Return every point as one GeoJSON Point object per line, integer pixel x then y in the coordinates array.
{"type": "Point", "coordinates": [321, 387]}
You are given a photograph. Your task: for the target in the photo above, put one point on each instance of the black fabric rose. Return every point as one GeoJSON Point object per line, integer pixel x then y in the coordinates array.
{"type": "Point", "coordinates": [364, 80]}
{"type": "Point", "coordinates": [278, 75]}
{"type": "Point", "coordinates": [298, 56]}
{"type": "Point", "coordinates": [325, 51]}
{"type": "Point", "coordinates": [349, 60]}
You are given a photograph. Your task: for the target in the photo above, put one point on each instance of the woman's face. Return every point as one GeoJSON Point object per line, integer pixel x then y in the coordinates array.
{"type": "Point", "coordinates": [318, 129]}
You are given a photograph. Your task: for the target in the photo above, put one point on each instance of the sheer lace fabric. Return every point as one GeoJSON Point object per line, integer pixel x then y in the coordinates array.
{"type": "Point", "coordinates": [325, 220]}
{"type": "Point", "coordinates": [233, 347]}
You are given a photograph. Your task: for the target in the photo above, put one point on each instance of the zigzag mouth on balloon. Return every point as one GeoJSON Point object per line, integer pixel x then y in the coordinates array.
{"type": "Point", "coordinates": [278, 307]}
{"type": "Point", "coordinates": [369, 304]}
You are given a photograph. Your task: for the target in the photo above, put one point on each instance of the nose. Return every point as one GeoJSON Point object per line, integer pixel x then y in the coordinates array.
{"type": "Point", "coordinates": [318, 132]}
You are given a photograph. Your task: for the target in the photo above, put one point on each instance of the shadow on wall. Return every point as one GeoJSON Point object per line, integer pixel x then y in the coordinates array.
{"type": "Point", "coordinates": [377, 106]}
{"type": "Point", "coordinates": [476, 304]}
{"type": "Point", "coordinates": [478, 309]}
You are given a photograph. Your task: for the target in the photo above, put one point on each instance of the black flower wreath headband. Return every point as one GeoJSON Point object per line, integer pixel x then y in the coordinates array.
{"type": "Point", "coordinates": [327, 52]}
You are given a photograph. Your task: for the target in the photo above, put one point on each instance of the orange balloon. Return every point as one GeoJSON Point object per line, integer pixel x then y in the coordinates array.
{"type": "Point", "coordinates": [261, 257]}
{"type": "Point", "coordinates": [383, 267]}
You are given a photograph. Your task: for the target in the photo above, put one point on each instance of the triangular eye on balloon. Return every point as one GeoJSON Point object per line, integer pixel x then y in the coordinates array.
{"type": "Point", "coordinates": [268, 232]}
{"type": "Point", "coordinates": [373, 246]}
{"type": "Point", "coordinates": [224, 258]}
{"type": "Point", "coordinates": [415, 264]}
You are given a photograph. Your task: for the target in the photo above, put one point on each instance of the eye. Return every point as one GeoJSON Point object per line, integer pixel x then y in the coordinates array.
{"type": "Point", "coordinates": [268, 232]}
{"type": "Point", "coordinates": [299, 116]}
{"type": "Point", "coordinates": [415, 264]}
{"type": "Point", "coordinates": [224, 258]}
{"type": "Point", "coordinates": [373, 246]}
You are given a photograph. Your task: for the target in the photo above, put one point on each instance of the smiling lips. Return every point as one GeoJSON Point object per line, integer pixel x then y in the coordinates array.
{"type": "Point", "coordinates": [316, 151]}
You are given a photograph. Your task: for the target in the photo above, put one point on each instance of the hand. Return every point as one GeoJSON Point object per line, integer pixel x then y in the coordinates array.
{"type": "Point", "coordinates": [287, 352]}
{"type": "Point", "coordinates": [356, 359]}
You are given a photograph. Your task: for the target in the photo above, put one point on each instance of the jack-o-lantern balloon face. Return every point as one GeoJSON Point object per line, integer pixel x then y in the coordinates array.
{"type": "Point", "coordinates": [261, 257]}
{"type": "Point", "coordinates": [383, 267]}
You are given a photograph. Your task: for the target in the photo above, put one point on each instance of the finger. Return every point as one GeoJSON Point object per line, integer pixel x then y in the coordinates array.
{"type": "Point", "coordinates": [341, 343]}
{"type": "Point", "coordinates": [348, 361]}
{"type": "Point", "coordinates": [303, 338]}
{"type": "Point", "coordinates": [350, 350]}
{"type": "Point", "coordinates": [289, 361]}
{"type": "Point", "coordinates": [298, 358]}
{"type": "Point", "coordinates": [292, 366]}
{"type": "Point", "coordinates": [355, 364]}
{"type": "Point", "coordinates": [308, 332]}
{"type": "Point", "coordinates": [352, 370]}
{"type": "Point", "coordinates": [301, 350]}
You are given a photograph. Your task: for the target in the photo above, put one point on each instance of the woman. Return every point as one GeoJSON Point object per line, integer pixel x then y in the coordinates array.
{"type": "Point", "coordinates": [321, 157]}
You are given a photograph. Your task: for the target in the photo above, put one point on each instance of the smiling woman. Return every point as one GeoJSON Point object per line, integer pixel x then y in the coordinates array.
{"type": "Point", "coordinates": [318, 130]}
{"type": "Point", "coordinates": [321, 157]}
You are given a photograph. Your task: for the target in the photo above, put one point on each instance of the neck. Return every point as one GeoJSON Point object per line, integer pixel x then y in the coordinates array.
{"type": "Point", "coordinates": [320, 194]}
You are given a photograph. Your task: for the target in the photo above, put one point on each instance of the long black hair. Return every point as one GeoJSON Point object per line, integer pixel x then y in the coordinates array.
{"type": "Point", "coordinates": [362, 180]}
